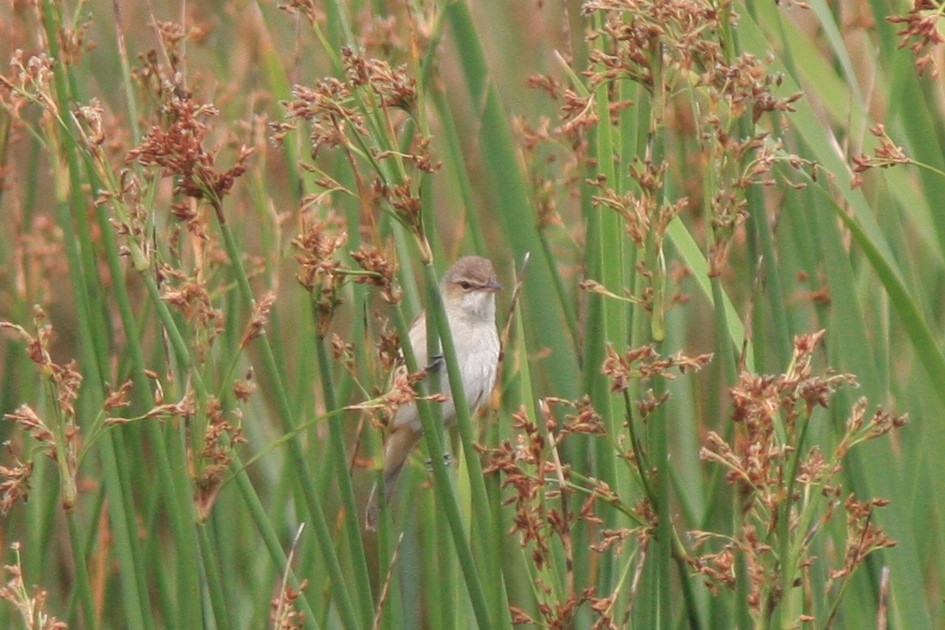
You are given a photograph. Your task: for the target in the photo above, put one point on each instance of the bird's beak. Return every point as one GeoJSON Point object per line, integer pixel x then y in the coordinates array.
{"type": "Point", "coordinates": [493, 286]}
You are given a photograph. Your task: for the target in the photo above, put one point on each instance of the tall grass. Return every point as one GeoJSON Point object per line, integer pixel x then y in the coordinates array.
{"type": "Point", "coordinates": [717, 229]}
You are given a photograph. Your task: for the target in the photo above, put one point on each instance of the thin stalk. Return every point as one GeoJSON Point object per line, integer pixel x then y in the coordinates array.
{"type": "Point", "coordinates": [569, 315]}
{"type": "Point", "coordinates": [512, 195]}
{"type": "Point", "coordinates": [445, 496]}
{"type": "Point", "coordinates": [154, 555]}
{"type": "Point", "coordinates": [130, 102]}
{"type": "Point", "coordinates": [482, 523]}
{"type": "Point", "coordinates": [658, 431]}
{"type": "Point", "coordinates": [173, 480]}
{"type": "Point", "coordinates": [460, 174]}
{"type": "Point", "coordinates": [94, 332]}
{"type": "Point", "coordinates": [276, 552]}
{"type": "Point", "coordinates": [607, 321]}
{"type": "Point", "coordinates": [303, 475]}
{"type": "Point", "coordinates": [345, 488]}
{"type": "Point", "coordinates": [248, 492]}
{"type": "Point", "coordinates": [714, 491]}
{"type": "Point", "coordinates": [658, 437]}
{"type": "Point", "coordinates": [446, 565]}
{"type": "Point", "coordinates": [789, 608]}
{"type": "Point", "coordinates": [84, 588]}
{"type": "Point", "coordinates": [221, 616]}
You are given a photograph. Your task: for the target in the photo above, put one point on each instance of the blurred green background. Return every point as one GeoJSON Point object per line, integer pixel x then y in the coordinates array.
{"type": "Point", "coordinates": [693, 176]}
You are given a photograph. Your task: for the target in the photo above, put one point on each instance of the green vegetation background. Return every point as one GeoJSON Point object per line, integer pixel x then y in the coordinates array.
{"type": "Point", "coordinates": [223, 213]}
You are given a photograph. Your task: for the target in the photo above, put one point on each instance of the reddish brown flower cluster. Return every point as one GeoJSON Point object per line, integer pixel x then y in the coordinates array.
{"type": "Point", "coordinates": [745, 86]}
{"type": "Point", "coordinates": [887, 154]}
{"type": "Point", "coordinates": [15, 484]}
{"type": "Point", "coordinates": [191, 296]}
{"type": "Point", "coordinates": [401, 391]}
{"type": "Point", "coordinates": [220, 438]}
{"type": "Point", "coordinates": [327, 108]}
{"type": "Point", "coordinates": [334, 107]}
{"type": "Point", "coordinates": [542, 489]}
{"type": "Point", "coordinates": [381, 271]}
{"type": "Point", "coordinates": [863, 537]}
{"type": "Point", "coordinates": [762, 405]}
{"type": "Point", "coordinates": [393, 86]}
{"type": "Point", "coordinates": [388, 347]}
{"type": "Point", "coordinates": [323, 274]}
{"type": "Point", "coordinates": [30, 605]}
{"type": "Point", "coordinates": [645, 215]}
{"type": "Point", "coordinates": [407, 206]}
{"type": "Point", "coordinates": [718, 566]}
{"type": "Point", "coordinates": [363, 114]}
{"type": "Point", "coordinates": [584, 420]}
{"type": "Point", "coordinates": [578, 115]}
{"type": "Point", "coordinates": [560, 615]}
{"type": "Point", "coordinates": [524, 466]}
{"type": "Point", "coordinates": [532, 469]}
{"type": "Point", "coordinates": [920, 32]}
{"type": "Point", "coordinates": [320, 271]}
{"type": "Point", "coordinates": [257, 322]}
{"type": "Point", "coordinates": [30, 82]}
{"type": "Point", "coordinates": [317, 245]}
{"type": "Point", "coordinates": [58, 439]}
{"type": "Point", "coordinates": [785, 481]}
{"type": "Point", "coordinates": [177, 147]}
{"type": "Point", "coordinates": [645, 363]}
{"type": "Point", "coordinates": [308, 8]}
{"type": "Point", "coordinates": [244, 388]}
{"type": "Point", "coordinates": [283, 613]}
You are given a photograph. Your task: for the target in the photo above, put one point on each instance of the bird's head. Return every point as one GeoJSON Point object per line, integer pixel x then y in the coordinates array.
{"type": "Point", "coordinates": [469, 287]}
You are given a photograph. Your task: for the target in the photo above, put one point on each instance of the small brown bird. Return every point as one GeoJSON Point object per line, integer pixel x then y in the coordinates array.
{"type": "Point", "coordinates": [468, 291]}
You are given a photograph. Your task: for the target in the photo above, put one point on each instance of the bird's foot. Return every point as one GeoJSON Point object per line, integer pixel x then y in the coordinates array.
{"type": "Point", "coordinates": [447, 461]}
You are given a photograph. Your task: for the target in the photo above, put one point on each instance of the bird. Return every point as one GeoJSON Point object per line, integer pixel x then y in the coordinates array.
{"type": "Point", "coordinates": [468, 290]}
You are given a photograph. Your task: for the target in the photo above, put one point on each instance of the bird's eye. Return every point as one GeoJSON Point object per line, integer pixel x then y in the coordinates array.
{"type": "Point", "coordinates": [465, 285]}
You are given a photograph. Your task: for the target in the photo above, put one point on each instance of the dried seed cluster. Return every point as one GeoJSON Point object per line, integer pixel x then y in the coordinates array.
{"type": "Point", "coordinates": [789, 489]}
{"type": "Point", "coordinates": [543, 488]}
{"type": "Point", "coordinates": [921, 33]}
{"type": "Point", "coordinates": [30, 604]}
{"type": "Point", "coordinates": [57, 437]}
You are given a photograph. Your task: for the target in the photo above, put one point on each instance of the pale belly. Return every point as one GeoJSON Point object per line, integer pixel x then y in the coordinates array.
{"type": "Point", "coordinates": [478, 357]}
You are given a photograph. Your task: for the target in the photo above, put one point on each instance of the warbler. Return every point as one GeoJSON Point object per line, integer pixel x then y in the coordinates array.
{"type": "Point", "coordinates": [468, 290]}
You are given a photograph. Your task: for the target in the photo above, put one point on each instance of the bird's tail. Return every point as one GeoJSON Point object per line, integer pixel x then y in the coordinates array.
{"type": "Point", "coordinates": [398, 448]}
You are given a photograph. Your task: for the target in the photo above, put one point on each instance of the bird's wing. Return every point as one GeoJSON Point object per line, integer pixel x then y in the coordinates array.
{"type": "Point", "coordinates": [418, 339]}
